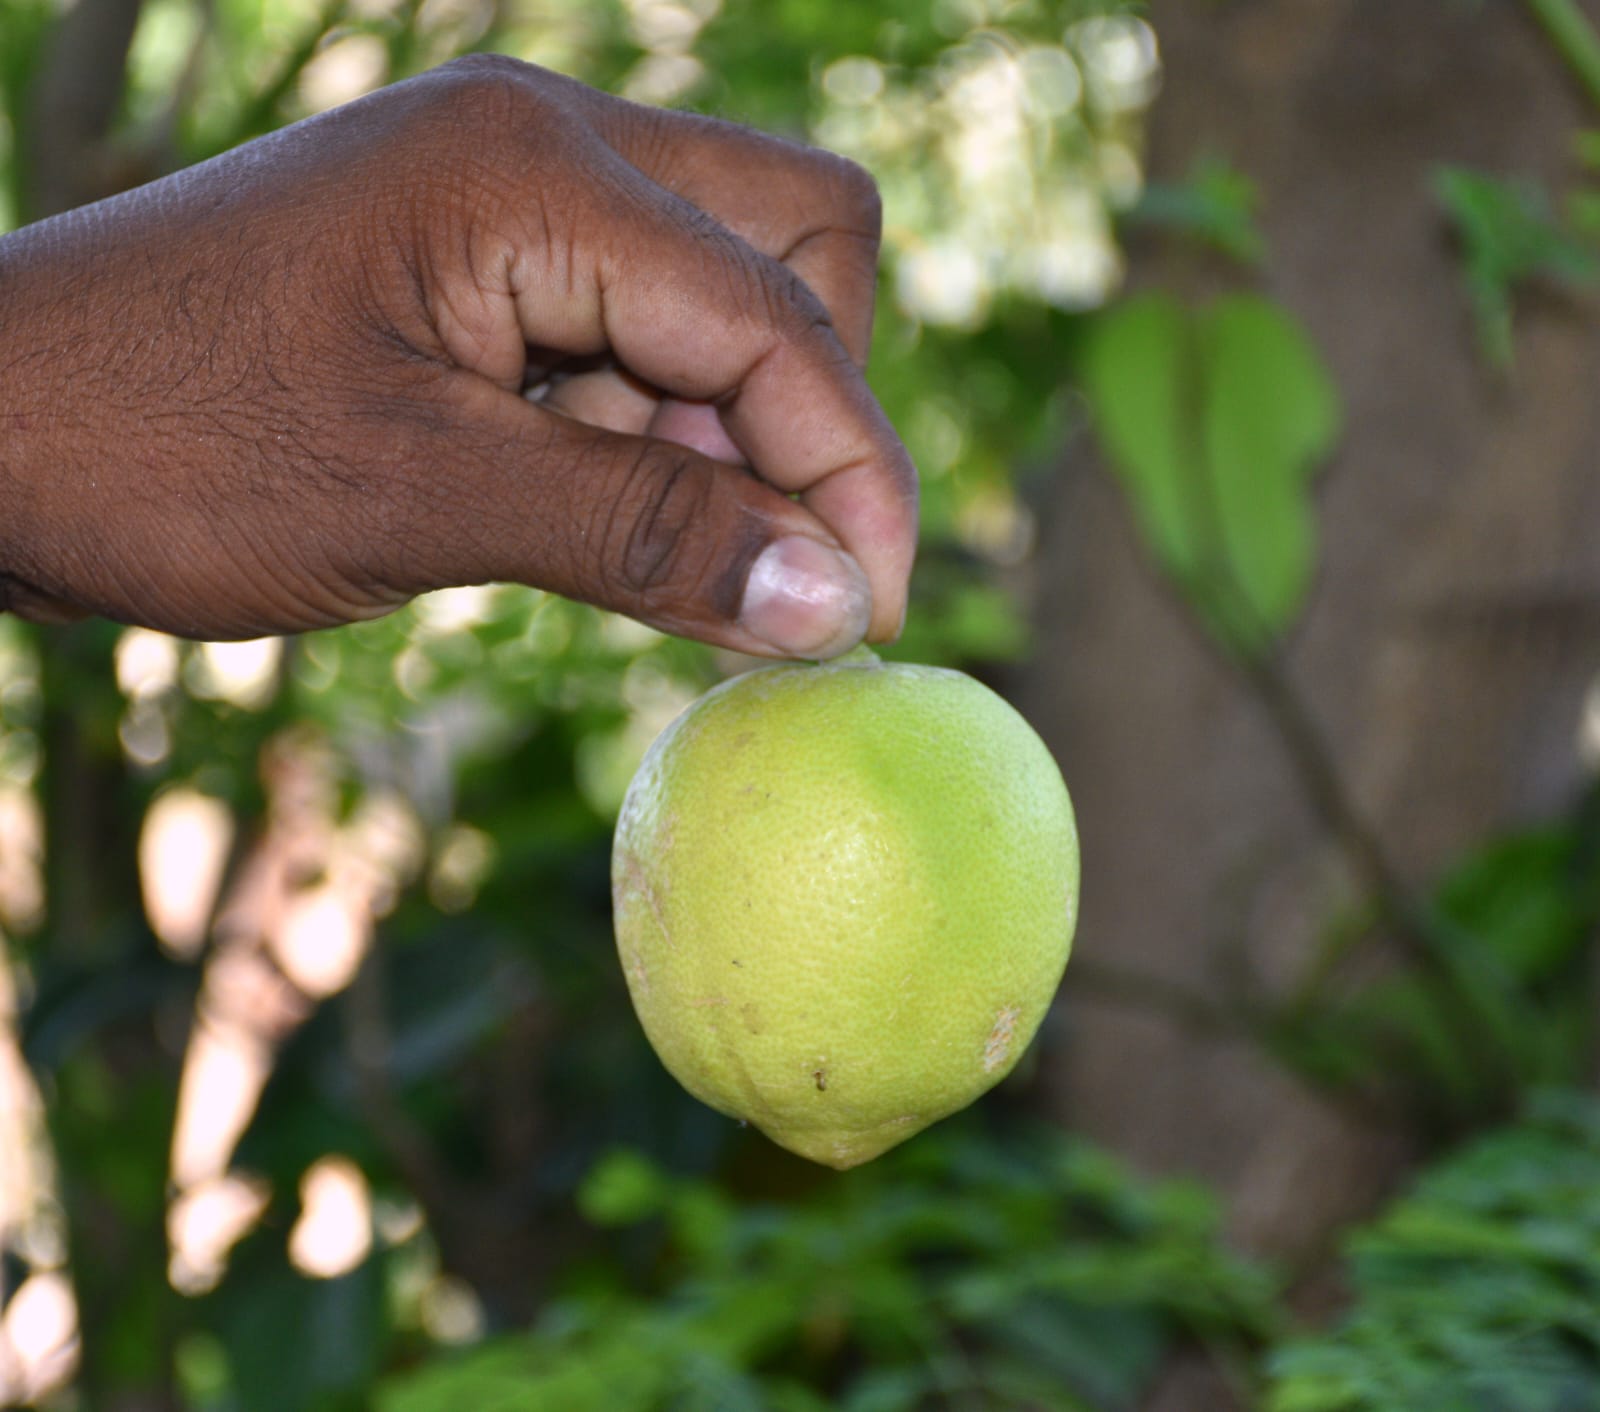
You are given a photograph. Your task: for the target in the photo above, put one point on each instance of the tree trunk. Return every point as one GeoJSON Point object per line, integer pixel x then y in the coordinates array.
{"type": "Point", "coordinates": [1455, 626]}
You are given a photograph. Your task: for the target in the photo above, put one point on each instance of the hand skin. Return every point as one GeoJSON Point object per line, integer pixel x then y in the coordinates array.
{"type": "Point", "coordinates": [486, 324]}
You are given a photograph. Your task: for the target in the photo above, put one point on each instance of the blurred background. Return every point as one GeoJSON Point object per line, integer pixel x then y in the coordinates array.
{"type": "Point", "coordinates": [1249, 353]}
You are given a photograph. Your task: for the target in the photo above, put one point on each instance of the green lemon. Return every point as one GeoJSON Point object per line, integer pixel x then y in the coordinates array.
{"type": "Point", "coordinates": [844, 896]}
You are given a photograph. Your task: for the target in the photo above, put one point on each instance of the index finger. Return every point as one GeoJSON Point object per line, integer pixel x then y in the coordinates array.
{"type": "Point", "coordinates": [810, 209]}
{"type": "Point", "coordinates": [696, 311]}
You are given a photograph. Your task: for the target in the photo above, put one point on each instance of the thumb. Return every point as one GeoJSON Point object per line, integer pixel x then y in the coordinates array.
{"type": "Point", "coordinates": [644, 526]}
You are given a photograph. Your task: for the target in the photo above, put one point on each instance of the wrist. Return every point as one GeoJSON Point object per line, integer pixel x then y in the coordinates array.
{"type": "Point", "coordinates": [45, 435]}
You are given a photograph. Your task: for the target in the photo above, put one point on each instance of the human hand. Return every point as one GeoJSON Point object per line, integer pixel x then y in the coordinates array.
{"type": "Point", "coordinates": [285, 389]}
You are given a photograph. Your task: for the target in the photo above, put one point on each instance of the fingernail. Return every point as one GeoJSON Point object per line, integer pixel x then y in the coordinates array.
{"type": "Point", "coordinates": [804, 599]}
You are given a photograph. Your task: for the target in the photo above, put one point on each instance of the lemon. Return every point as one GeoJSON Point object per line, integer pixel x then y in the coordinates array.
{"type": "Point", "coordinates": [844, 896]}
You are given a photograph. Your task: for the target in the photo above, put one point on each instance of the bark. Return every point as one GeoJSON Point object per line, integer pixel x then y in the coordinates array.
{"type": "Point", "coordinates": [1455, 625]}
{"type": "Point", "coordinates": [74, 103]}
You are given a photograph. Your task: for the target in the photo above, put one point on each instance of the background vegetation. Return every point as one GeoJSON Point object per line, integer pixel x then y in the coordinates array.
{"type": "Point", "coordinates": [318, 1084]}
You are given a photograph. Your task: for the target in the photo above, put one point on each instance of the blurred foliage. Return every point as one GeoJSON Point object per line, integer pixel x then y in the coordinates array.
{"type": "Point", "coordinates": [1478, 1290]}
{"type": "Point", "coordinates": [1215, 205]}
{"type": "Point", "coordinates": [482, 1072]}
{"type": "Point", "coordinates": [1215, 420]}
{"type": "Point", "coordinates": [484, 1057]}
{"type": "Point", "coordinates": [1510, 237]}
{"type": "Point", "coordinates": [961, 1272]}
{"type": "Point", "coordinates": [1573, 39]}
{"type": "Point", "coordinates": [1521, 914]}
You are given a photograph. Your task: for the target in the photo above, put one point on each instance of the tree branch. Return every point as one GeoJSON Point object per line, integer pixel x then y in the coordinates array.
{"type": "Point", "coordinates": [74, 103]}
{"type": "Point", "coordinates": [1568, 28]}
{"type": "Point", "coordinates": [1331, 801]}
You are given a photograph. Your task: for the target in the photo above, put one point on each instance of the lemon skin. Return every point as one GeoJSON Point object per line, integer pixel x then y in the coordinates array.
{"type": "Point", "coordinates": [844, 896]}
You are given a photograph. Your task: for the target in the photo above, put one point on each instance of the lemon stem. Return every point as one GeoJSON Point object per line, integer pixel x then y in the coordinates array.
{"type": "Point", "coordinates": [858, 656]}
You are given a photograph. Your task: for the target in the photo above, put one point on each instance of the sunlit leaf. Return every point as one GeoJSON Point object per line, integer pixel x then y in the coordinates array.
{"type": "Point", "coordinates": [1143, 379]}
{"type": "Point", "coordinates": [1214, 420]}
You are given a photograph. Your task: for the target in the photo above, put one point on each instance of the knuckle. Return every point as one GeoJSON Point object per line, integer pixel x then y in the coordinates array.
{"type": "Point", "coordinates": [654, 522]}
{"type": "Point", "coordinates": [487, 99]}
{"type": "Point", "coordinates": [791, 303]}
{"type": "Point", "coordinates": [474, 75]}
{"type": "Point", "coordinates": [766, 293]}
{"type": "Point", "coordinates": [654, 138]}
{"type": "Point", "coordinates": [856, 193]}
{"type": "Point", "coordinates": [472, 105]}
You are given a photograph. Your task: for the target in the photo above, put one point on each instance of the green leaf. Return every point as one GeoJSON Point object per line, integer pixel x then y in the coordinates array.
{"type": "Point", "coordinates": [707, 1384]}
{"type": "Point", "coordinates": [1529, 898]}
{"type": "Point", "coordinates": [1479, 1290]}
{"type": "Point", "coordinates": [1271, 415]}
{"type": "Point", "coordinates": [623, 1189]}
{"type": "Point", "coordinates": [1105, 1355]}
{"type": "Point", "coordinates": [1511, 1008]}
{"type": "Point", "coordinates": [1508, 237]}
{"type": "Point", "coordinates": [1038, 1273]}
{"type": "Point", "coordinates": [1214, 421]}
{"type": "Point", "coordinates": [889, 1390]}
{"type": "Point", "coordinates": [1140, 375]}
{"type": "Point", "coordinates": [1216, 205]}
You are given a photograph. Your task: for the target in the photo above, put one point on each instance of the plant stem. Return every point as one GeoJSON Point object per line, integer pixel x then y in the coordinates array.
{"type": "Point", "coordinates": [1330, 799]}
{"type": "Point", "coordinates": [1493, 1019]}
{"type": "Point", "coordinates": [1568, 28]}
